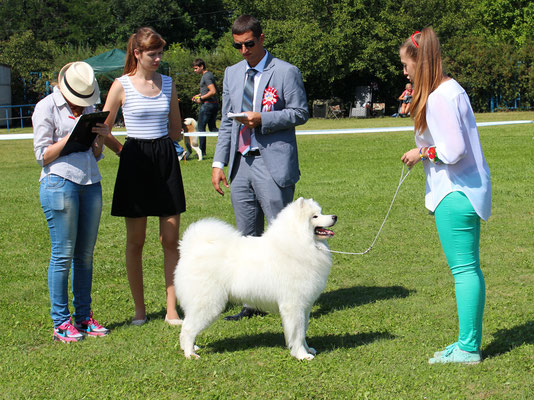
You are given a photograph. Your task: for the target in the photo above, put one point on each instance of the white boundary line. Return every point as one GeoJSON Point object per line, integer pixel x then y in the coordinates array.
{"type": "Point", "coordinates": [19, 136]}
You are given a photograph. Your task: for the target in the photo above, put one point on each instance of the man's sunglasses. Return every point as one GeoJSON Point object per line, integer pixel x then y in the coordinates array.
{"type": "Point", "coordinates": [248, 44]}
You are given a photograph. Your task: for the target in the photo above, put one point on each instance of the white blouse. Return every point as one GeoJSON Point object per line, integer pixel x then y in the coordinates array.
{"type": "Point", "coordinates": [452, 130]}
{"type": "Point", "coordinates": [52, 120]}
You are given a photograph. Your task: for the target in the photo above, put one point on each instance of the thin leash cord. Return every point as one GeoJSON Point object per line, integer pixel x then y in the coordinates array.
{"type": "Point", "coordinates": [402, 178]}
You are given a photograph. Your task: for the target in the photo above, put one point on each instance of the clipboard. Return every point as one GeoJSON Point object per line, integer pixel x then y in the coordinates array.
{"type": "Point", "coordinates": [82, 136]}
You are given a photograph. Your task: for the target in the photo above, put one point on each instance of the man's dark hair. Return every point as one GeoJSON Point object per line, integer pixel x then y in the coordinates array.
{"type": "Point", "coordinates": [246, 23]}
{"type": "Point", "coordinates": [199, 62]}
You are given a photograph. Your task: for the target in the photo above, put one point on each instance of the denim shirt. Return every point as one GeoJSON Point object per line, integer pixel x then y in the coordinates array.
{"type": "Point", "coordinates": [52, 120]}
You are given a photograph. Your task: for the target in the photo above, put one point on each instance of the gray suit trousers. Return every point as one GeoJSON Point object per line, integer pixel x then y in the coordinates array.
{"type": "Point", "coordinates": [256, 195]}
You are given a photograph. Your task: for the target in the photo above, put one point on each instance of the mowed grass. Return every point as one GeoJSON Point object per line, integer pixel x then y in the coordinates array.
{"type": "Point", "coordinates": [380, 318]}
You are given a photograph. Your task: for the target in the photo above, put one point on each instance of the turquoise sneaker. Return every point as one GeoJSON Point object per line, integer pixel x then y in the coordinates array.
{"type": "Point", "coordinates": [453, 354]}
{"type": "Point", "coordinates": [438, 354]}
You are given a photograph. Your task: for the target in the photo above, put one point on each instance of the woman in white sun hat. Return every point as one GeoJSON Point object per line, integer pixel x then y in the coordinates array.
{"type": "Point", "coordinates": [71, 198]}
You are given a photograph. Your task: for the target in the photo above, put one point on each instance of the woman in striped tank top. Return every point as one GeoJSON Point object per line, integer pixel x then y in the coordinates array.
{"type": "Point", "coordinates": [149, 181]}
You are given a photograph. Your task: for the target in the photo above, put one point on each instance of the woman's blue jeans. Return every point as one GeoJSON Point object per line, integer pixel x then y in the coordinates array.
{"type": "Point", "coordinates": [73, 215]}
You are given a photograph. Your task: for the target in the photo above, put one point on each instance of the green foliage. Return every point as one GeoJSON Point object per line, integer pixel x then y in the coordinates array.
{"type": "Point", "coordinates": [24, 54]}
{"type": "Point", "coordinates": [337, 44]}
{"type": "Point", "coordinates": [488, 67]}
{"type": "Point", "coordinates": [61, 21]}
{"type": "Point", "coordinates": [34, 62]}
{"type": "Point", "coordinates": [526, 71]}
{"type": "Point", "coordinates": [99, 22]}
{"type": "Point", "coordinates": [378, 321]}
{"type": "Point", "coordinates": [187, 82]}
{"type": "Point", "coordinates": [132, 14]}
{"type": "Point", "coordinates": [509, 21]}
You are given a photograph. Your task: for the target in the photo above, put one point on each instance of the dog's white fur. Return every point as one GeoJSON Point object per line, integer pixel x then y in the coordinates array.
{"type": "Point", "coordinates": [284, 271]}
{"type": "Point", "coordinates": [191, 126]}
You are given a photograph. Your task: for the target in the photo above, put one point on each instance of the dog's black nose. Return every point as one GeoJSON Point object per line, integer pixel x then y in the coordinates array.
{"type": "Point", "coordinates": [334, 217]}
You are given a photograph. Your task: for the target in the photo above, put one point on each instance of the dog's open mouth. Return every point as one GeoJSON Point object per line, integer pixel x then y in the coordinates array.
{"type": "Point", "coordinates": [323, 232]}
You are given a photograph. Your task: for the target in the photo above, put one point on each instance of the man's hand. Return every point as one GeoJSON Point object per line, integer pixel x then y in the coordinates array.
{"type": "Point", "coordinates": [217, 175]}
{"type": "Point", "coordinates": [252, 121]}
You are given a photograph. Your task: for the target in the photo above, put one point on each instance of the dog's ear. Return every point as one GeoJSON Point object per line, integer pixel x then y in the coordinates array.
{"type": "Point", "coordinates": [300, 201]}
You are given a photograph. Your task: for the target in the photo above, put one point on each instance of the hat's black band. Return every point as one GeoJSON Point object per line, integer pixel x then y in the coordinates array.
{"type": "Point", "coordinates": [74, 92]}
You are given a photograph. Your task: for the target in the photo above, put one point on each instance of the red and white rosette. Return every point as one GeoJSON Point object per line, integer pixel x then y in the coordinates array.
{"type": "Point", "coordinates": [269, 98]}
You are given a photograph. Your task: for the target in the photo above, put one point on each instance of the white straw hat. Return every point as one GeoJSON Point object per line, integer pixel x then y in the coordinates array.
{"type": "Point", "coordinates": [78, 84]}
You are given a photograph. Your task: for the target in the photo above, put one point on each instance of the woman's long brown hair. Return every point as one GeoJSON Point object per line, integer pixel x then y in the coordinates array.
{"type": "Point", "coordinates": [145, 39]}
{"type": "Point", "coordinates": [424, 48]}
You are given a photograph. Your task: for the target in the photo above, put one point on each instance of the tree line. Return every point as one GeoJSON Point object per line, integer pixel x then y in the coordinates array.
{"type": "Point", "coordinates": [488, 45]}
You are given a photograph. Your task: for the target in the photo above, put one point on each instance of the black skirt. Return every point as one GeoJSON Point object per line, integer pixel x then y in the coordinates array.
{"type": "Point", "coordinates": [149, 181]}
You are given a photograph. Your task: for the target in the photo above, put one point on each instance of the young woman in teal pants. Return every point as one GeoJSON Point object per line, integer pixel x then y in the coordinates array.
{"type": "Point", "coordinates": [458, 187]}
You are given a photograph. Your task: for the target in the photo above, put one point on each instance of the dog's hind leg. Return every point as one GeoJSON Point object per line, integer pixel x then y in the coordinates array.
{"type": "Point", "coordinates": [295, 322]}
{"type": "Point", "coordinates": [187, 142]}
{"type": "Point", "coordinates": [197, 318]}
{"type": "Point", "coordinates": [199, 152]}
{"type": "Point", "coordinates": [191, 327]}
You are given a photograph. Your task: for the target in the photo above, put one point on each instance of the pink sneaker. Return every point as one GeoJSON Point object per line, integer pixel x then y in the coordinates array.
{"type": "Point", "coordinates": [91, 327]}
{"type": "Point", "coordinates": [67, 333]}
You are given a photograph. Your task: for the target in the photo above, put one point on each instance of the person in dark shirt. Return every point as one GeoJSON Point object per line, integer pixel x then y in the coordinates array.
{"type": "Point", "coordinates": [208, 100]}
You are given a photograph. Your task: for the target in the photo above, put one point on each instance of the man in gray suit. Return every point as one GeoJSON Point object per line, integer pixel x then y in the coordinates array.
{"type": "Point", "coordinates": [259, 147]}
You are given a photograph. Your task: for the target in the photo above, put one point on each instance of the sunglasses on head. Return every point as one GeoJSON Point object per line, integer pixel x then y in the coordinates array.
{"type": "Point", "coordinates": [248, 44]}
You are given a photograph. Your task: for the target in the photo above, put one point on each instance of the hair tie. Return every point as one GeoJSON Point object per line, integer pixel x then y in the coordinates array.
{"type": "Point", "coordinates": [413, 40]}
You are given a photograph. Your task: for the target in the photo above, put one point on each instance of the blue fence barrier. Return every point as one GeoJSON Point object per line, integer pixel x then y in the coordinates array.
{"type": "Point", "coordinates": [24, 112]}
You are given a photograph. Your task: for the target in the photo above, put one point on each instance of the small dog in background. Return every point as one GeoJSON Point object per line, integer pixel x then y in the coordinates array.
{"type": "Point", "coordinates": [283, 271]}
{"type": "Point", "coordinates": [191, 142]}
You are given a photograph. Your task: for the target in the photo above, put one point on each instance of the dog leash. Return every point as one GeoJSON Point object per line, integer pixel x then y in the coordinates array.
{"type": "Point", "coordinates": [402, 178]}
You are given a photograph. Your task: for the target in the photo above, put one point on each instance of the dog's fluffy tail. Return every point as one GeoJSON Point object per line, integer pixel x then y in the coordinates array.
{"type": "Point", "coordinates": [202, 241]}
{"type": "Point", "coordinates": [208, 231]}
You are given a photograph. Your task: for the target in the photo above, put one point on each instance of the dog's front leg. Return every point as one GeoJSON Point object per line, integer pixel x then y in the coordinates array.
{"type": "Point", "coordinates": [311, 350]}
{"type": "Point", "coordinates": [294, 321]}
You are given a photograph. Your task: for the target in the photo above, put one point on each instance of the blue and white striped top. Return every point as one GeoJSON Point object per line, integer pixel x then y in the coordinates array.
{"type": "Point", "coordinates": [146, 117]}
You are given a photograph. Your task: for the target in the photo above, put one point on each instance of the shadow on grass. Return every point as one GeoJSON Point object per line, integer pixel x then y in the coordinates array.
{"type": "Point", "coordinates": [321, 343]}
{"type": "Point", "coordinates": [153, 316]}
{"type": "Point", "coordinates": [328, 302]}
{"type": "Point", "coordinates": [357, 296]}
{"type": "Point", "coordinates": [506, 340]}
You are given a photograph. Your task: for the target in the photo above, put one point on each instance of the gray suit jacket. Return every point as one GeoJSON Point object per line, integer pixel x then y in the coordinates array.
{"type": "Point", "coordinates": [276, 135]}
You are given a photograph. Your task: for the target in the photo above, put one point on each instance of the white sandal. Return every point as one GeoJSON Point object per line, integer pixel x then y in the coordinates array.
{"type": "Point", "coordinates": [174, 322]}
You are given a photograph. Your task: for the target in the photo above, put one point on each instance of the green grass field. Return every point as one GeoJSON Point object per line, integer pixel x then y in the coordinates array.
{"type": "Point", "coordinates": [380, 318]}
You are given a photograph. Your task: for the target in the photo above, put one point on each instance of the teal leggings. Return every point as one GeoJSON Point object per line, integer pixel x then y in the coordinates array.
{"type": "Point", "coordinates": [459, 232]}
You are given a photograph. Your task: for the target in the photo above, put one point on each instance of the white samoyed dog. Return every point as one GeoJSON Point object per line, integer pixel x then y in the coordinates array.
{"type": "Point", "coordinates": [285, 270]}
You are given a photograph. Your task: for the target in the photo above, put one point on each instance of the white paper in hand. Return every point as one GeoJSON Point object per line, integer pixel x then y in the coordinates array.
{"type": "Point", "coordinates": [237, 115]}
